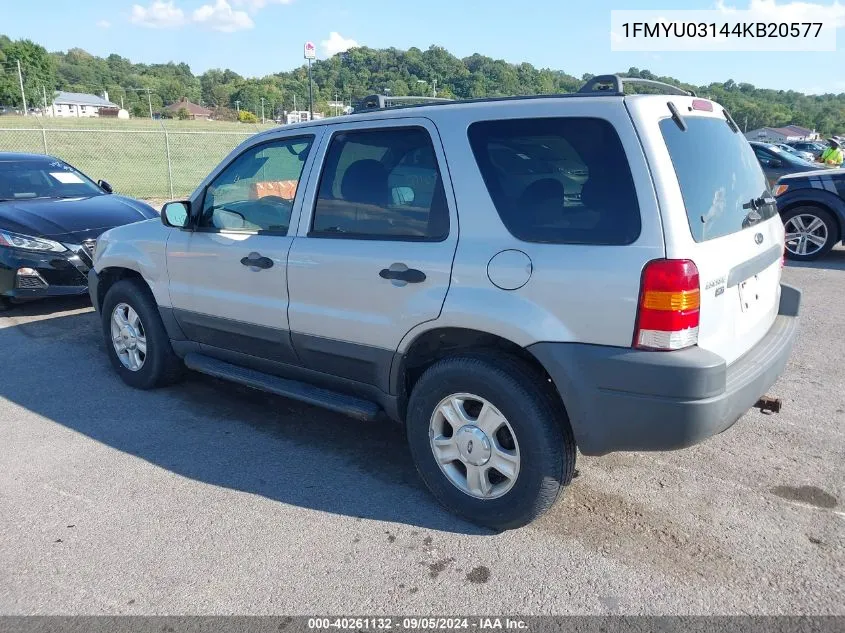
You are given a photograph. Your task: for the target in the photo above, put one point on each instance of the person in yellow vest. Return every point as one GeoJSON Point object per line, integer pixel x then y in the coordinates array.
{"type": "Point", "coordinates": [832, 155]}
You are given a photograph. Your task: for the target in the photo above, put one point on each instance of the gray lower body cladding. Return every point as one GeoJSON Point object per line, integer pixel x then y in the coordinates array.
{"type": "Point", "coordinates": [621, 399]}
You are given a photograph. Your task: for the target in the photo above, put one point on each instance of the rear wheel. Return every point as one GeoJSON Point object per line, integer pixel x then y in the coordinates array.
{"type": "Point", "coordinates": [810, 232]}
{"type": "Point", "coordinates": [489, 440]}
{"type": "Point", "coordinates": [136, 341]}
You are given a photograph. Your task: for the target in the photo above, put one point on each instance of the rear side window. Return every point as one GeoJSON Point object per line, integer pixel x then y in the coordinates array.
{"type": "Point", "coordinates": [558, 180]}
{"type": "Point", "coordinates": [719, 176]}
{"type": "Point", "coordinates": [381, 185]}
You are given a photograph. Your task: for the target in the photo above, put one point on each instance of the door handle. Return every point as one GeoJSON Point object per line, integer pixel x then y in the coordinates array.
{"type": "Point", "coordinates": [257, 260]}
{"type": "Point", "coordinates": [400, 272]}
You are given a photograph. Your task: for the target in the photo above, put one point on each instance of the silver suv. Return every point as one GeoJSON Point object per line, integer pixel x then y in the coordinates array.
{"type": "Point", "coordinates": [509, 278]}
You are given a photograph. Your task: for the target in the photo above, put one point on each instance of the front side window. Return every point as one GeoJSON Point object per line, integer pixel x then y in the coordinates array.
{"type": "Point", "coordinates": [255, 192]}
{"type": "Point", "coordinates": [558, 180]}
{"type": "Point", "coordinates": [381, 184]}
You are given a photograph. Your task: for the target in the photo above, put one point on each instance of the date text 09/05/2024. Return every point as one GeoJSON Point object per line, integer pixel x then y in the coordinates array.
{"type": "Point", "coordinates": [417, 623]}
{"type": "Point", "coordinates": [713, 29]}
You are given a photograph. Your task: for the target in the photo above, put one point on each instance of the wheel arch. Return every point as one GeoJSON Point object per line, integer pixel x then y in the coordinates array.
{"type": "Point", "coordinates": [110, 275]}
{"type": "Point", "coordinates": [435, 344]}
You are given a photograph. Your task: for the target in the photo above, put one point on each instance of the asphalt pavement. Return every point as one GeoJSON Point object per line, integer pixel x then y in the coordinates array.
{"type": "Point", "coordinates": [207, 498]}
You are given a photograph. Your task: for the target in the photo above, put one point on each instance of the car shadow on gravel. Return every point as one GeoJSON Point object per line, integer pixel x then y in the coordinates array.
{"type": "Point", "coordinates": [216, 432]}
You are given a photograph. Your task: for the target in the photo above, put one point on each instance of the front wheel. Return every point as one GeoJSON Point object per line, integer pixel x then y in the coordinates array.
{"type": "Point", "coordinates": [810, 232]}
{"type": "Point", "coordinates": [136, 341]}
{"type": "Point", "coordinates": [489, 439]}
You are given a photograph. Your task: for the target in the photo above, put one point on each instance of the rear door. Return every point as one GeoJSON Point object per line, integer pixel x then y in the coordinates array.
{"type": "Point", "coordinates": [717, 211]}
{"type": "Point", "coordinates": [374, 249]}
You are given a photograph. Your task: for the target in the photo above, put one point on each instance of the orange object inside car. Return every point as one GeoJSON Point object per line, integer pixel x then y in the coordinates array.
{"type": "Point", "coordinates": [280, 188]}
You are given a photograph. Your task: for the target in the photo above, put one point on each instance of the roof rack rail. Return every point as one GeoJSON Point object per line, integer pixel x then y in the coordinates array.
{"type": "Point", "coordinates": [381, 102]}
{"type": "Point", "coordinates": [614, 84]}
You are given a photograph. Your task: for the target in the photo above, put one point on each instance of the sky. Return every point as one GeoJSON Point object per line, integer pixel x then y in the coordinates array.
{"type": "Point", "coordinates": [259, 37]}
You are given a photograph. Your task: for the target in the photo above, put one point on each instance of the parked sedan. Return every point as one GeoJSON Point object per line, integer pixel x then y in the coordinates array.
{"type": "Point", "coordinates": [776, 162]}
{"type": "Point", "coordinates": [814, 147]}
{"type": "Point", "coordinates": [808, 156]}
{"type": "Point", "coordinates": [50, 217]}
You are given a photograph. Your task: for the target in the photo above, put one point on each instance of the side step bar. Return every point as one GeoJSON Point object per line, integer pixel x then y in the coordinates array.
{"type": "Point", "coordinates": [357, 408]}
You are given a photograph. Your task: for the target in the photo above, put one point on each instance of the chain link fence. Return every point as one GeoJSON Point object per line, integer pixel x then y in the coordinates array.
{"type": "Point", "coordinates": [156, 161]}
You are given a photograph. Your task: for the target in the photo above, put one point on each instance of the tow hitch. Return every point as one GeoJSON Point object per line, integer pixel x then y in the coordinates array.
{"type": "Point", "coordinates": [767, 404]}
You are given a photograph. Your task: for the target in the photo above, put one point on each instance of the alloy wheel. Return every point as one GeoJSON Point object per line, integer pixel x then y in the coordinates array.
{"type": "Point", "coordinates": [474, 445]}
{"type": "Point", "coordinates": [806, 234]}
{"type": "Point", "coordinates": [128, 337]}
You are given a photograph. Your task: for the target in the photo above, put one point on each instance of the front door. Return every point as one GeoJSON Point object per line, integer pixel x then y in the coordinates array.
{"type": "Point", "coordinates": [374, 249]}
{"type": "Point", "coordinates": [228, 281]}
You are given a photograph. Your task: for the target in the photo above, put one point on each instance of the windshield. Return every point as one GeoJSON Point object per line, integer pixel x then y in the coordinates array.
{"type": "Point", "coordinates": [719, 176]}
{"type": "Point", "coordinates": [48, 178]}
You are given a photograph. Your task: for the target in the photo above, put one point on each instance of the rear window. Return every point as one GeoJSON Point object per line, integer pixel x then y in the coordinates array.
{"type": "Point", "coordinates": [718, 174]}
{"type": "Point", "coordinates": [558, 180]}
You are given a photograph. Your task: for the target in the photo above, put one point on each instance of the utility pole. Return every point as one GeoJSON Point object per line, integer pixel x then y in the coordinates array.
{"type": "Point", "coordinates": [150, 102]}
{"type": "Point", "coordinates": [23, 94]}
{"type": "Point", "coordinates": [294, 102]}
{"type": "Point", "coordinates": [335, 104]}
{"type": "Point", "coordinates": [434, 84]}
{"type": "Point", "coordinates": [745, 129]}
{"type": "Point", "coordinates": [262, 109]}
{"type": "Point", "coordinates": [44, 90]}
{"type": "Point", "coordinates": [238, 107]}
{"type": "Point", "coordinates": [310, 93]}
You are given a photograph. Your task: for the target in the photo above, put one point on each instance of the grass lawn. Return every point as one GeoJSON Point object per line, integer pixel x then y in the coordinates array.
{"type": "Point", "coordinates": [131, 155]}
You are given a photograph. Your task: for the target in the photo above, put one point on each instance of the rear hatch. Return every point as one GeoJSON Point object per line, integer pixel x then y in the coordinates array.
{"type": "Point", "coordinates": [717, 211]}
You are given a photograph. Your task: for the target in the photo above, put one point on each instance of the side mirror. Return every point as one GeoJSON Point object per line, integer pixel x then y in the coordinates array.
{"type": "Point", "coordinates": [176, 214]}
{"type": "Point", "coordinates": [775, 164]}
{"type": "Point", "coordinates": [105, 186]}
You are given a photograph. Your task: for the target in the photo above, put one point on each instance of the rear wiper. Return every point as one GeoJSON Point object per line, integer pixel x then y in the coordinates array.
{"type": "Point", "coordinates": [753, 216]}
{"type": "Point", "coordinates": [676, 117]}
{"type": "Point", "coordinates": [731, 123]}
{"type": "Point", "coordinates": [756, 203]}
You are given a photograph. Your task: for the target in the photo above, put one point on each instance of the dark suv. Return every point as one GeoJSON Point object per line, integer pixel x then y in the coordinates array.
{"type": "Point", "coordinates": [812, 205]}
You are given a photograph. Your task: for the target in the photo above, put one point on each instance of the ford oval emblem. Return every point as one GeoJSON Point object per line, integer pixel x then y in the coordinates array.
{"type": "Point", "coordinates": [758, 238]}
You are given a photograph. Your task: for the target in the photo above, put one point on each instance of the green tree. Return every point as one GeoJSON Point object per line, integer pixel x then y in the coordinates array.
{"type": "Point", "coordinates": [37, 68]}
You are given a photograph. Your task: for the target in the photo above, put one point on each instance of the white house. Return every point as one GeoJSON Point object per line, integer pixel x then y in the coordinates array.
{"type": "Point", "coordinates": [301, 116]}
{"type": "Point", "coordinates": [77, 104]}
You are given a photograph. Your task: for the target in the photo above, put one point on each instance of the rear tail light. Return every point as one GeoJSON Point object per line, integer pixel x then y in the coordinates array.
{"type": "Point", "coordinates": [670, 301]}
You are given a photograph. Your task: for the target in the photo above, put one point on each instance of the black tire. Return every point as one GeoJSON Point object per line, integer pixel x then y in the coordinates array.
{"type": "Point", "coordinates": [831, 227]}
{"type": "Point", "coordinates": [5, 304]}
{"type": "Point", "coordinates": [161, 366]}
{"type": "Point", "coordinates": [539, 423]}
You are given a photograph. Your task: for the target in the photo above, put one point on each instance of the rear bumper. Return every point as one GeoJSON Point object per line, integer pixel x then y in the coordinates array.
{"type": "Point", "coordinates": [621, 399]}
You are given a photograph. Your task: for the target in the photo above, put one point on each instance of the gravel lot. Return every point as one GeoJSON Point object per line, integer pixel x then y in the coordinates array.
{"type": "Point", "coordinates": [208, 498]}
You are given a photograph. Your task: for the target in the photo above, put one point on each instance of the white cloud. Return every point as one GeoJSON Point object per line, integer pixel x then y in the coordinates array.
{"type": "Point", "coordinates": [793, 11]}
{"type": "Point", "coordinates": [103, 24]}
{"type": "Point", "coordinates": [337, 44]}
{"type": "Point", "coordinates": [222, 17]}
{"type": "Point", "coordinates": [257, 5]}
{"type": "Point", "coordinates": [159, 15]}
